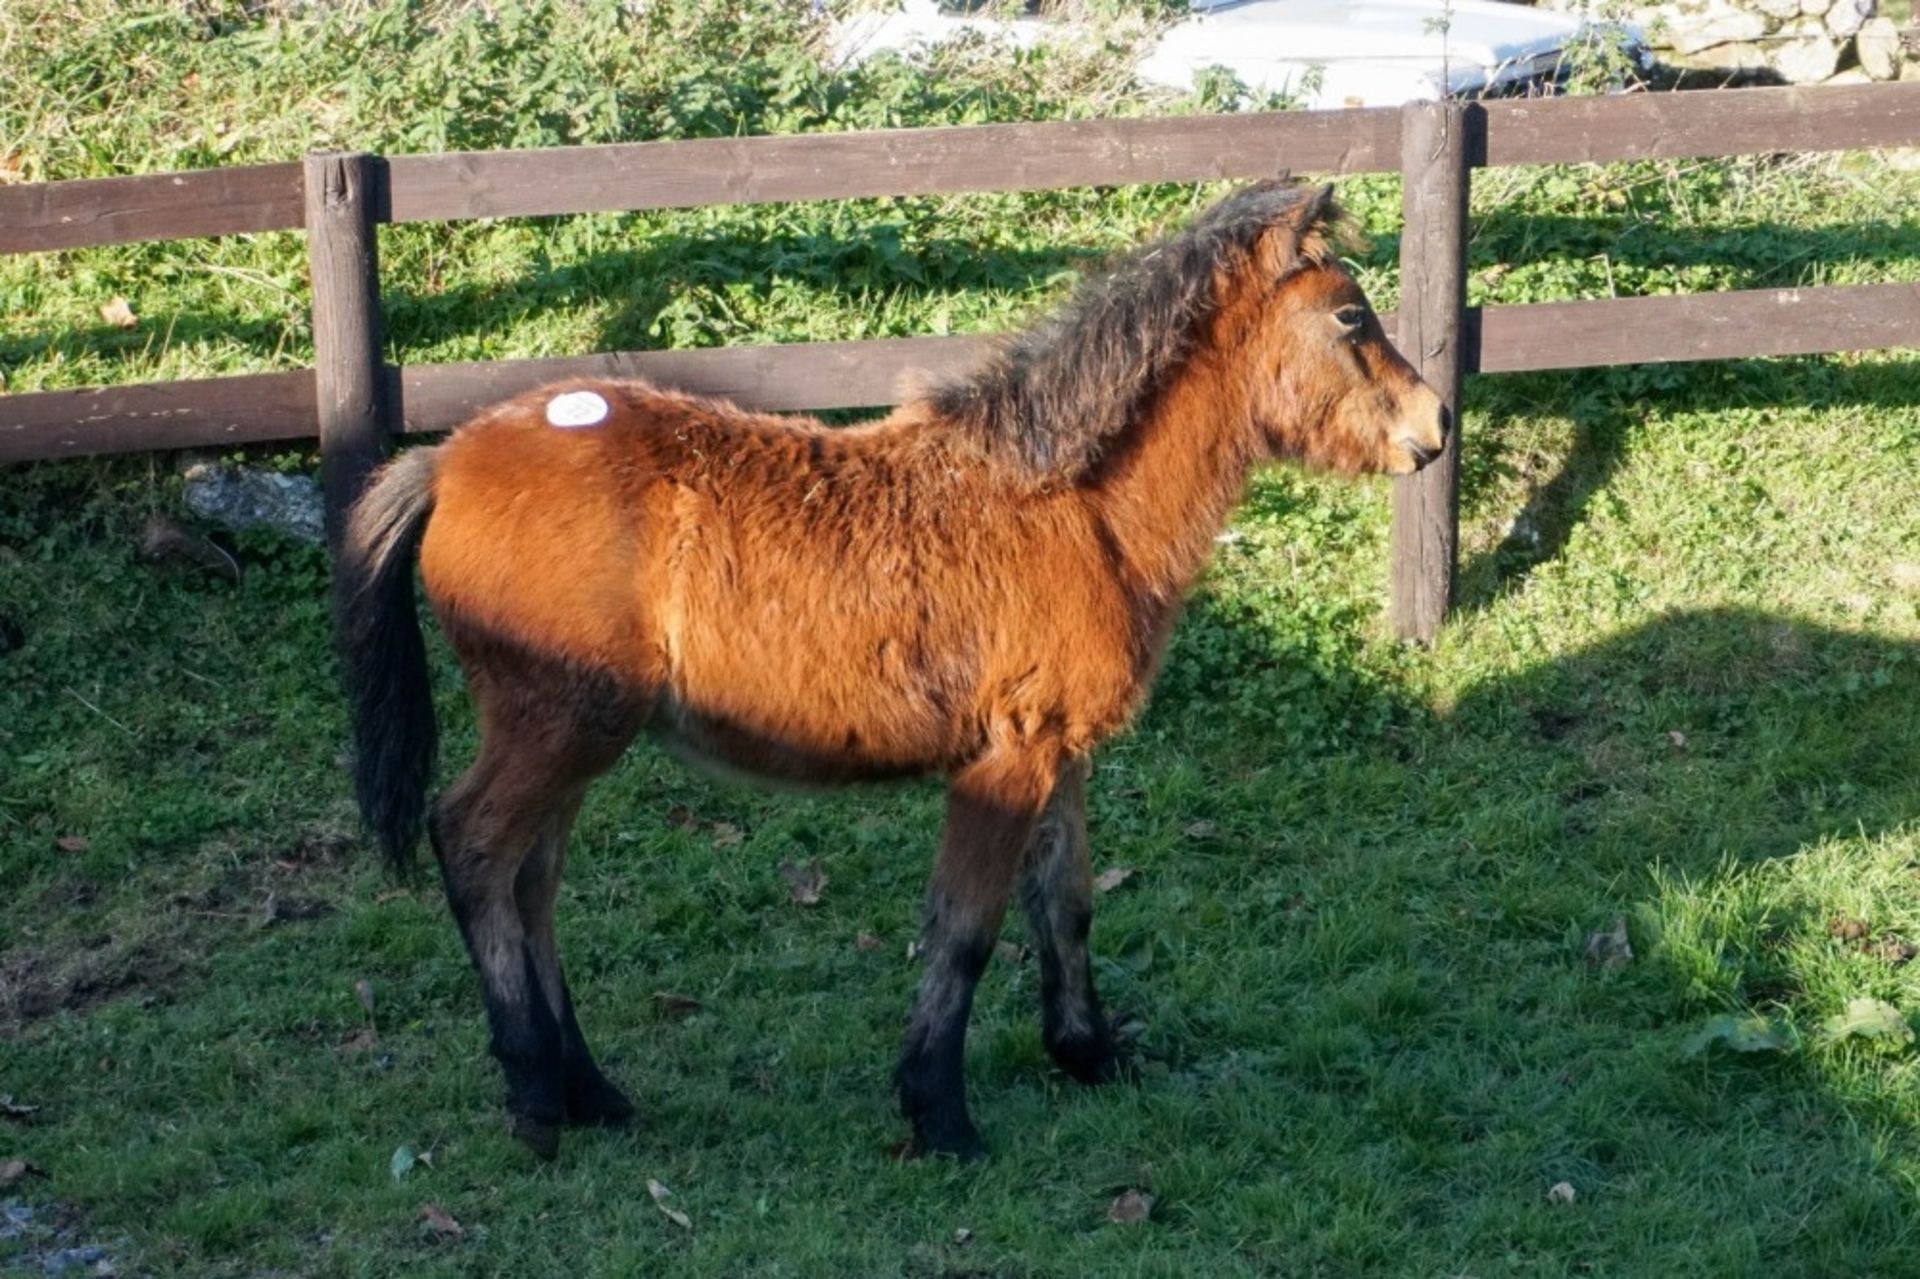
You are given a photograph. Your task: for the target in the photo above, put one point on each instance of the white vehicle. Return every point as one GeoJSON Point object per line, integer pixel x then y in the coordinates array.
{"type": "Point", "coordinates": [1319, 53]}
{"type": "Point", "coordinates": [1368, 53]}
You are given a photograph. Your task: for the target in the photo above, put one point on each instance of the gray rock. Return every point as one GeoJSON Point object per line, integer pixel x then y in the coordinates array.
{"type": "Point", "coordinates": [1814, 8]}
{"type": "Point", "coordinates": [1724, 26]}
{"type": "Point", "coordinates": [1848, 16]}
{"type": "Point", "coordinates": [1738, 56]}
{"type": "Point", "coordinates": [1878, 45]}
{"type": "Point", "coordinates": [241, 497]}
{"type": "Point", "coordinates": [1805, 61]}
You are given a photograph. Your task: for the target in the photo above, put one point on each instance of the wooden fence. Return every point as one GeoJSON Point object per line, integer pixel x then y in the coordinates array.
{"type": "Point", "coordinates": [355, 402]}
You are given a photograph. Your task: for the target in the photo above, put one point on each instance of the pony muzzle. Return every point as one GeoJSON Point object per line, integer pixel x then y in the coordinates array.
{"type": "Point", "coordinates": [1422, 436]}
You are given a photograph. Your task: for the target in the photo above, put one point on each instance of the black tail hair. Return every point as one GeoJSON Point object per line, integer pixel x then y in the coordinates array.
{"type": "Point", "coordinates": [376, 628]}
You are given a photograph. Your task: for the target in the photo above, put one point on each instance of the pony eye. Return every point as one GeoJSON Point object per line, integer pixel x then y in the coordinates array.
{"type": "Point", "coordinates": [1351, 317]}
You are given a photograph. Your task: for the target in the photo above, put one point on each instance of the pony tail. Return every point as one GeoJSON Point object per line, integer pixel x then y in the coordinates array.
{"type": "Point", "coordinates": [376, 629]}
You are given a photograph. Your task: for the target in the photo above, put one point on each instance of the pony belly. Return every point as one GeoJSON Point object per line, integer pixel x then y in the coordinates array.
{"type": "Point", "coordinates": [730, 748]}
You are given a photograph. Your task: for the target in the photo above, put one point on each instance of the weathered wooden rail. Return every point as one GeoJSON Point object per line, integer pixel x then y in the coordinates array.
{"type": "Point", "coordinates": [355, 403]}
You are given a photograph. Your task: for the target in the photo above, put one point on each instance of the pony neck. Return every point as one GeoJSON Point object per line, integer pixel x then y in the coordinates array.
{"type": "Point", "coordinates": [1166, 491]}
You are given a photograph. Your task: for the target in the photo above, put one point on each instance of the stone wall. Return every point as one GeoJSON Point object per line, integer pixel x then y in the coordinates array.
{"type": "Point", "coordinates": [1795, 41]}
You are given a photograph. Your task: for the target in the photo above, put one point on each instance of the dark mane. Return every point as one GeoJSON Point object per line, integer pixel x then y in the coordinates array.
{"type": "Point", "coordinates": [1050, 398]}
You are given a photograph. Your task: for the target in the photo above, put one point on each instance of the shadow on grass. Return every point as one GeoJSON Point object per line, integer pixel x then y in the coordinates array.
{"type": "Point", "coordinates": [1608, 407]}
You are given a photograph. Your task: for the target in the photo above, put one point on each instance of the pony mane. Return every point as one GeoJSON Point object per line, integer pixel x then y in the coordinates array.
{"type": "Point", "coordinates": [1050, 398]}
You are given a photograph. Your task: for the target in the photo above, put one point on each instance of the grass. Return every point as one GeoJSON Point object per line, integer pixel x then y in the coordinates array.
{"type": "Point", "coordinates": [1680, 693]}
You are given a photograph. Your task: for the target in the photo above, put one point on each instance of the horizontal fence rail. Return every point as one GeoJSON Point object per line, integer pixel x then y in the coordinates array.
{"type": "Point", "coordinates": [258, 407]}
{"type": "Point", "coordinates": [960, 158]}
{"type": "Point", "coordinates": [356, 402]}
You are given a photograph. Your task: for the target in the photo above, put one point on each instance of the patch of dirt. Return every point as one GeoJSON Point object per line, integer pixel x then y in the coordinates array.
{"type": "Point", "coordinates": [37, 982]}
{"type": "Point", "coordinates": [150, 955]}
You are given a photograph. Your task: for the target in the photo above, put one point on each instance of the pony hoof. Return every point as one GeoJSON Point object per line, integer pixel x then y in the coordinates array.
{"type": "Point", "coordinates": [541, 1136]}
{"type": "Point", "coordinates": [960, 1142]}
{"type": "Point", "coordinates": [600, 1105]}
{"type": "Point", "coordinates": [1091, 1061]}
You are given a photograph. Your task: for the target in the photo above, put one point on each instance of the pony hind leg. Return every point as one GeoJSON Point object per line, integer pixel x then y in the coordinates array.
{"type": "Point", "coordinates": [991, 809]}
{"type": "Point", "coordinates": [591, 1098]}
{"type": "Point", "coordinates": [547, 730]}
{"type": "Point", "coordinates": [1056, 897]}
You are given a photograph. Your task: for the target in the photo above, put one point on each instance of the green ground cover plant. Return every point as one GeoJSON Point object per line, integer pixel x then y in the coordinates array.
{"type": "Point", "coordinates": [1354, 950]}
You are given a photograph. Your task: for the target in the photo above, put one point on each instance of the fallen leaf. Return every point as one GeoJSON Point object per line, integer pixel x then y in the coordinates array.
{"type": "Point", "coordinates": [364, 989]}
{"type": "Point", "coordinates": [1749, 1034]}
{"type": "Point", "coordinates": [963, 1236]}
{"type": "Point", "coordinates": [1010, 952]}
{"type": "Point", "coordinates": [441, 1222]}
{"type": "Point", "coordinates": [360, 1041]}
{"type": "Point", "coordinates": [73, 843]}
{"type": "Point", "coordinates": [1847, 929]}
{"type": "Point", "coordinates": [804, 883]}
{"type": "Point", "coordinates": [915, 949]}
{"type": "Point", "coordinates": [1201, 830]}
{"type": "Point", "coordinates": [1678, 740]}
{"type": "Point", "coordinates": [17, 1170]}
{"type": "Point", "coordinates": [1610, 949]}
{"type": "Point", "coordinates": [1896, 950]}
{"type": "Point", "coordinates": [1112, 878]}
{"type": "Point", "coordinates": [1130, 1205]}
{"type": "Point", "coordinates": [119, 314]}
{"type": "Point", "coordinates": [11, 1109]}
{"type": "Point", "coordinates": [1562, 1193]}
{"type": "Point", "coordinates": [11, 169]}
{"type": "Point", "coordinates": [669, 1004]}
{"type": "Point", "coordinates": [867, 941]}
{"type": "Point", "coordinates": [726, 835]}
{"type": "Point", "coordinates": [402, 1162]}
{"type": "Point", "coordinates": [660, 1196]}
{"type": "Point", "coordinates": [1871, 1019]}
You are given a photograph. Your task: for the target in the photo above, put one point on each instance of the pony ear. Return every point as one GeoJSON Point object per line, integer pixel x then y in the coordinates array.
{"type": "Point", "coordinates": [1313, 210]}
{"type": "Point", "coordinates": [1301, 234]}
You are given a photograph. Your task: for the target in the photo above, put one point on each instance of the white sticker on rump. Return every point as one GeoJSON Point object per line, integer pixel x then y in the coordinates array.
{"type": "Point", "coordinates": [576, 408]}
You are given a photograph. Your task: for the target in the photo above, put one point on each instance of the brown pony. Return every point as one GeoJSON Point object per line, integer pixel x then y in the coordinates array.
{"type": "Point", "coordinates": [978, 586]}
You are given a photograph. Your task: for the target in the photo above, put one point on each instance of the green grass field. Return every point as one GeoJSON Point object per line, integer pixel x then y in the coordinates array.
{"type": "Point", "coordinates": [1682, 692]}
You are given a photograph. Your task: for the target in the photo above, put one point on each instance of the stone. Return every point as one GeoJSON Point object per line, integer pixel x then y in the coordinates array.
{"type": "Point", "coordinates": [1909, 71]}
{"type": "Point", "coordinates": [1852, 75]}
{"type": "Point", "coordinates": [1878, 47]}
{"type": "Point", "coordinates": [1848, 16]}
{"type": "Point", "coordinates": [242, 497]}
{"type": "Point", "coordinates": [1778, 8]}
{"type": "Point", "coordinates": [1815, 8]}
{"type": "Point", "coordinates": [1723, 26]}
{"type": "Point", "coordinates": [1739, 56]}
{"type": "Point", "coordinates": [1805, 61]}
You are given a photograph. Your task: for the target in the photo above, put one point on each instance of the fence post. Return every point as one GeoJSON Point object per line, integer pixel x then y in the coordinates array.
{"type": "Point", "coordinates": [344, 198]}
{"type": "Point", "coordinates": [1433, 298]}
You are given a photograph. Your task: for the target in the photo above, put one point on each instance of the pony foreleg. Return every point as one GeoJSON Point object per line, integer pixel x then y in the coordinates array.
{"type": "Point", "coordinates": [991, 808]}
{"type": "Point", "coordinates": [1057, 899]}
{"type": "Point", "coordinates": [590, 1097]}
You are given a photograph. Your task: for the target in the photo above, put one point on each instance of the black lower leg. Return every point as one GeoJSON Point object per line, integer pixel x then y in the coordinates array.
{"type": "Point", "coordinates": [1074, 1027]}
{"type": "Point", "coordinates": [524, 1034]}
{"type": "Point", "coordinates": [526, 1041]}
{"type": "Point", "coordinates": [592, 1099]}
{"type": "Point", "coordinates": [931, 1075]}
{"type": "Point", "coordinates": [1057, 900]}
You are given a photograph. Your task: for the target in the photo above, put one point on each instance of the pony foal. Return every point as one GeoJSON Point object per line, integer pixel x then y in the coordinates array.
{"type": "Point", "coordinates": [978, 586]}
